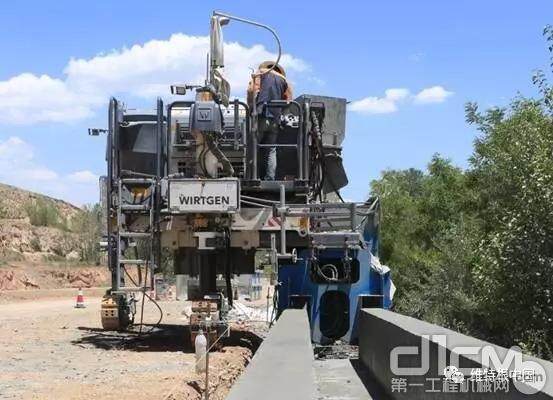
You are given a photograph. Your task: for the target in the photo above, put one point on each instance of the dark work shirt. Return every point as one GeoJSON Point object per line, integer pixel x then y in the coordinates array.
{"type": "Point", "coordinates": [272, 87]}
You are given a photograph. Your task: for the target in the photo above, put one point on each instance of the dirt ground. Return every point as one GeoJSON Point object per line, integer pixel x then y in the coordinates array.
{"type": "Point", "coordinates": [51, 350]}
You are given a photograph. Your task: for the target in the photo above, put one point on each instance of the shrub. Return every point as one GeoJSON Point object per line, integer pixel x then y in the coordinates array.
{"type": "Point", "coordinates": [87, 225]}
{"type": "Point", "coordinates": [35, 244]}
{"type": "Point", "coordinates": [43, 213]}
{"type": "Point", "coordinates": [3, 210]}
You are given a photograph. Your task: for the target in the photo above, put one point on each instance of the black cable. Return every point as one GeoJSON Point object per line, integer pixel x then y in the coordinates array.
{"type": "Point", "coordinates": [320, 151]}
{"type": "Point", "coordinates": [160, 312]}
{"type": "Point", "coordinates": [144, 294]}
{"type": "Point", "coordinates": [142, 305]}
{"type": "Point", "coordinates": [275, 305]}
{"type": "Point", "coordinates": [201, 159]}
{"type": "Point", "coordinates": [318, 171]}
{"type": "Point", "coordinates": [376, 205]}
{"type": "Point", "coordinates": [317, 174]}
{"type": "Point", "coordinates": [228, 270]}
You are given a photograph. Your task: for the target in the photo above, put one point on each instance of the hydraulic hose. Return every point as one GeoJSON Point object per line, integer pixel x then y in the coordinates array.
{"type": "Point", "coordinates": [228, 271]}
{"type": "Point", "coordinates": [317, 138]}
{"type": "Point", "coordinates": [142, 305]}
{"type": "Point", "coordinates": [216, 151]}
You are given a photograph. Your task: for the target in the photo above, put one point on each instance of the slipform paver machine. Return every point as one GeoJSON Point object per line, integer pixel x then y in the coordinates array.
{"type": "Point", "coordinates": [183, 186]}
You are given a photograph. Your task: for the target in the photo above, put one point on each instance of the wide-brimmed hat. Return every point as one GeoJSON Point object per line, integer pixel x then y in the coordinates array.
{"type": "Point", "coordinates": [268, 64]}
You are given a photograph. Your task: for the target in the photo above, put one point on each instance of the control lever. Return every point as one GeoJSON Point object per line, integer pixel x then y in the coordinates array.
{"type": "Point", "coordinates": [275, 255]}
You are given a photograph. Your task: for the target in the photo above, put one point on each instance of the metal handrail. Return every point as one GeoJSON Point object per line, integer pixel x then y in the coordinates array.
{"type": "Point", "coordinates": [299, 140]}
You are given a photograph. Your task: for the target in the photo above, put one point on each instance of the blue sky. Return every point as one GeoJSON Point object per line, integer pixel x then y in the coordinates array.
{"type": "Point", "coordinates": [408, 67]}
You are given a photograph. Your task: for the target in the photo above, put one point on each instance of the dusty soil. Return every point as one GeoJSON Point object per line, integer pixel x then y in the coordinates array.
{"type": "Point", "coordinates": [25, 275]}
{"type": "Point", "coordinates": [51, 350]}
{"type": "Point", "coordinates": [39, 295]}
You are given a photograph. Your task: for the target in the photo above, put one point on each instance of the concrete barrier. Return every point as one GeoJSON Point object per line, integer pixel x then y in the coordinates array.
{"type": "Point", "coordinates": [422, 350]}
{"type": "Point", "coordinates": [282, 368]}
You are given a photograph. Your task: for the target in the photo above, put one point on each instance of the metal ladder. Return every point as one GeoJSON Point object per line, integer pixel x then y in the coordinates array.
{"type": "Point", "coordinates": [148, 234]}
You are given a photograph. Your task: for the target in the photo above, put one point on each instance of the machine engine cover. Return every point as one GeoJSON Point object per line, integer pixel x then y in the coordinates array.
{"type": "Point", "coordinates": [204, 195]}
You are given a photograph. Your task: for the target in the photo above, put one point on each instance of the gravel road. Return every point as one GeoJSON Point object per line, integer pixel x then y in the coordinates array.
{"type": "Point", "coordinates": [51, 350]}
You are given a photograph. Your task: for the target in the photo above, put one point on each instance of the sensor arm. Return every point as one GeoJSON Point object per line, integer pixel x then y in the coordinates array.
{"type": "Point", "coordinates": [247, 21]}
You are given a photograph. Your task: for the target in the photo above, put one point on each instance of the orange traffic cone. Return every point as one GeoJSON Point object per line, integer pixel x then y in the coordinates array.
{"type": "Point", "coordinates": [80, 299]}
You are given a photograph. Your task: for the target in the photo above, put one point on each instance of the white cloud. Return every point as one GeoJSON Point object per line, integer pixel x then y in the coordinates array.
{"type": "Point", "coordinates": [434, 94]}
{"type": "Point", "coordinates": [14, 149]}
{"type": "Point", "coordinates": [143, 70]}
{"type": "Point", "coordinates": [380, 105]}
{"type": "Point", "coordinates": [397, 94]}
{"type": "Point", "coordinates": [83, 177]}
{"type": "Point", "coordinates": [28, 98]}
{"type": "Point", "coordinates": [393, 97]}
{"type": "Point", "coordinates": [38, 174]}
{"type": "Point", "coordinates": [19, 167]}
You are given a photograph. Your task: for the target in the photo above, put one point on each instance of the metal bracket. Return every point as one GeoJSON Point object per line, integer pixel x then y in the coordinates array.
{"type": "Point", "coordinates": [209, 240]}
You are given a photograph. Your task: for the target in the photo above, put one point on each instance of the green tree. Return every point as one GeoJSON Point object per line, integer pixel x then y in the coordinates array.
{"type": "Point", "coordinates": [88, 227]}
{"type": "Point", "coordinates": [512, 169]}
{"type": "Point", "coordinates": [43, 212]}
{"type": "Point", "coordinates": [424, 220]}
{"type": "Point", "coordinates": [473, 250]}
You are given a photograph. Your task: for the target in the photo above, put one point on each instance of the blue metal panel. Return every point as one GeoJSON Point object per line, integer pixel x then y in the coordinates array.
{"type": "Point", "coordinates": [295, 280]}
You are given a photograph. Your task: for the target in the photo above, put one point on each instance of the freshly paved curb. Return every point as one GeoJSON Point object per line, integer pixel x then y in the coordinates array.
{"type": "Point", "coordinates": [282, 368]}
{"type": "Point", "coordinates": [382, 331]}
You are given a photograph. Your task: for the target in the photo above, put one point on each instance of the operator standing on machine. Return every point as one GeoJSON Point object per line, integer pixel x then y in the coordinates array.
{"type": "Point", "coordinates": [263, 88]}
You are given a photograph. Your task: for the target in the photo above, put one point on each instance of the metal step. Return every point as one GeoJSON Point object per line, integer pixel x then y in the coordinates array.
{"type": "Point", "coordinates": [135, 207]}
{"type": "Point", "coordinates": [135, 234]}
{"type": "Point", "coordinates": [130, 261]}
{"type": "Point", "coordinates": [138, 180]}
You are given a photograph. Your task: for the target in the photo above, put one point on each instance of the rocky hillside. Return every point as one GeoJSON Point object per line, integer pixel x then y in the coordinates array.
{"type": "Point", "coordinates": [20, 275]}
{"type": "Point", "coordinates": [35, 227]}
{"type": "Point", "coordinates": [13, 203]}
